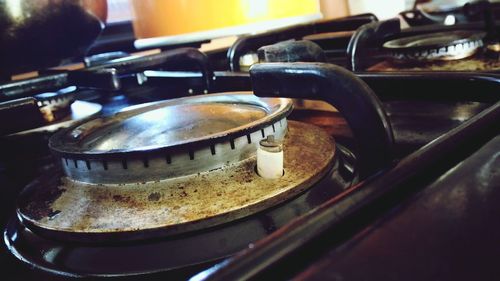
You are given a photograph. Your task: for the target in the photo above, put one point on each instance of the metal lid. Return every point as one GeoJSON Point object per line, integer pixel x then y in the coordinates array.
{"type": "Point", "coordinates": [215, 130]}
{"type": "Point", "coordinates": [448, 45]}
{"type": "Point", "coordinates": [170, 124]}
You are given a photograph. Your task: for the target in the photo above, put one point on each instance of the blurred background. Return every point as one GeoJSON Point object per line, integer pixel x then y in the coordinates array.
{"type": "Point", "coordinates": [153, 18]}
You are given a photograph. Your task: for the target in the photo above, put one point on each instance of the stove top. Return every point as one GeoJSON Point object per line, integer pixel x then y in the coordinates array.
{"type": "Point", "coordinates": [164, 157]}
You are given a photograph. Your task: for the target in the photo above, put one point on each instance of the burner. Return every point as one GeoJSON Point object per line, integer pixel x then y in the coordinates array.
{"type": "Point", "coordinates": [130, 174]}
{"type": "Point", "coordinates": [437, 46]}
{"type": "Point", "coordinates": [55, 106]}
{"type": "Point", "coordinates": [78, 112]}
{"type": "Point", "coordinates": [206, 128]}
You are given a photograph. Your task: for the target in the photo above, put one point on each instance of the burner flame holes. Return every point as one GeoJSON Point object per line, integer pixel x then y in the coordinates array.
{"type": "Point", "coordinates": [270, 158]}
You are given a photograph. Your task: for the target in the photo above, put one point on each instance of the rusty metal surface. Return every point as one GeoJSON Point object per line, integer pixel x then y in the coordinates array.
{"type": "Point", "coordinates": [180, 204]}
{"type": "Point", "coordinates": [475, 63]}
{"type": "Point", "coordinates": [94, 258]}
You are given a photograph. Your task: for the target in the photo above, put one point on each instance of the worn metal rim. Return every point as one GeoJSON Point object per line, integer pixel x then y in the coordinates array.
{"type": "Point", "coordinates": [242, 193]}
{"type": "Point", "coordinates": [31, 248]}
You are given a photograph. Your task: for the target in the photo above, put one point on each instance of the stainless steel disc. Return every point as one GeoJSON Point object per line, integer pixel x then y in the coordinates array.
{"type": "Point", "coordinates": [169, 139]}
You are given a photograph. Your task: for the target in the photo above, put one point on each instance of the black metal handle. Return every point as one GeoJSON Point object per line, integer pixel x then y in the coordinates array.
{"type": "Point", "coordinates": [292, 51]}
{"type": "Point", "coordinates": [342, 89]}
{"type": "Point", "coordinates": [107, 75]}
{"type": "Point", "coordinates": [368, 37]}
{"type": "Point", "coordinates": [249, 43]}
{"type": "Point", "coordinates": [103, 58]}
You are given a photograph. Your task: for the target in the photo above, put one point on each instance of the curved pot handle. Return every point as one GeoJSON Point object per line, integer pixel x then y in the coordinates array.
{"type": "Point", "coordinates": [342, 89]}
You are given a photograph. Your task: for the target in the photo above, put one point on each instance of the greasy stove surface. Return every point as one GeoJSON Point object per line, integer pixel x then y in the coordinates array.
{"type": "Point", "coordinates": [448, 231]}
{"type": "Point", "coordinates": [178, 204]}
{"type": "Point", "coordinates": [475, 63]}
{"type": "Point", "coordinates": [413, 124]}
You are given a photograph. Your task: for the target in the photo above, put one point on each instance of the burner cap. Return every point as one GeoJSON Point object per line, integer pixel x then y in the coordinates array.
{"type": "Point", "coordinates": [215, 130]}
{"type": "Point", "coordinates": [451, 45]}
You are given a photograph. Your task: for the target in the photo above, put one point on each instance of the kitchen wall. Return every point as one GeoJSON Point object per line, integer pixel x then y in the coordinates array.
{"type": "Point", "coordinates": [383, 9]}
{"type": "Point", "coordinates": [120, 9]}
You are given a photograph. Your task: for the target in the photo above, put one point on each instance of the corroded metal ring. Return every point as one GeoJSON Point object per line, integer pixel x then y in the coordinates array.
{"type": "Point", "coordinates": [436, 46]}
{"type": "Point", "coordinates": [88, 212]}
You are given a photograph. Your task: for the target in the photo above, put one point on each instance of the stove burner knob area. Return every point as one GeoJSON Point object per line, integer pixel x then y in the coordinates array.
{"type": "Point", "coordinates": [270, 158]}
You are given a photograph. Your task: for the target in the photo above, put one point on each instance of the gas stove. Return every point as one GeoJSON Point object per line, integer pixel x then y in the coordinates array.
{"type": "Point", "coordinates": [163, 165]}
